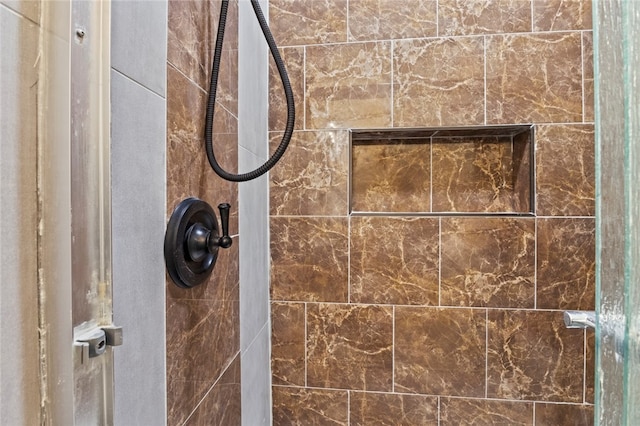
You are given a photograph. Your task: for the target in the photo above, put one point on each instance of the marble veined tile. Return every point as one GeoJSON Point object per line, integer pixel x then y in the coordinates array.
{"type": "Point", "coordinates": [440, 351]}
{"type": "Point", "coordinates": [392, 19]}
{"type": "Point", "coordinates": [438, 82]}
{"type": "Point", "coordinates": [534, 78]}
{"type": "Point", "coordinates": [466, 17]}
{"type": "Point", "coordinates": [488, 262]}
{"type": "Point", "coordinates": [367, 408]}
{"type": "Point", "coordinates": [394, 260]}
{"type": "Point", "coordinates": [350, 347]}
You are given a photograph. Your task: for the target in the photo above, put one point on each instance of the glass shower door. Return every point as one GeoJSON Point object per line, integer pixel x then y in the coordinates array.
{"type": "Point", "coordinates": [617, 90]}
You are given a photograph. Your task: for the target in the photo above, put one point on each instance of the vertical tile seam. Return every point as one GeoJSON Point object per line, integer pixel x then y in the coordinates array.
{"type": "Point", "coordinates": [584, 366]}
{"type": "Point", "coordinates": [484, 62]}
{"type": "Point", "coordinates": [535, 263]}
{"type": "Point", "coordinates": [532, 19]}
{"type": "Point", "coordinates": [306, 353]}
{"type": "Point", "coordinates": [486, 353]}
{"type": "Point", "coordinates": [582, 71]}
{"type": "Point", "coordinates": [304, 87]}
{"type": "Point", "coordinates": [437, 18]}
{"type": "Point", "coordinates": [431, 190]}
{"type": "Point", "coordinates": [348, 259]}
{"type": "Point", "coordinates": [392, 97]}
{"type": "Point", "coordinates": [534, 403]}
{"type": "Point", "coordinates": [347, 17]}
{"type": "Point", "coordinates": [440, 261]}
{"type": "Point", "coordinates": [349, 407]}
{"type": "Point", "coordinates": [393, 349]}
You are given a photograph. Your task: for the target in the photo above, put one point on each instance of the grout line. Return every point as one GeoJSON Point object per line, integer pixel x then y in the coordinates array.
{"type": "Point", "coordinates": [440, 261]}
{"type": "Point", "coordinates": [486, 353]}
{"type": "Point", "coordinates": [392, 97]}
{"type": "Point", "coordinates": [582, 71]}
{"type": "Point", "coordinates": [393, 349]}
{"type": "Point", "coordinates": [438, 18]}
{"type": "Point", "coordinates": [306, 354]}
{"type": "Point", "coordinates": [532, 19]}
{"type": "Point", "coordinates": [304, 88]}
{"type": "Point", "coordinates": [349, 259]}
{"type": "Point", "coordinates": [349, 407]}
{"type": "Point", "coordinates": [535, 263]}
{"type": "Point", "coordinates": [390, 305]}
{"type": "Point", "coordinates": [584, 367]}
{"type": "Point", "coordinates": [431, 174]}
{"type": "Point", "coordinates": [433, 38]}
{"type": "Point", "coordinates": [224, 371]}
{"type": "Point", "coordinates": [484, 59]}
{"type": "Point", "coordinates": [439, 409]}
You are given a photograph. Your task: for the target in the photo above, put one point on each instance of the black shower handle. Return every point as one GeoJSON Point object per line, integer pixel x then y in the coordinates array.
{"type": "Point", "coordinates": [225, 240]}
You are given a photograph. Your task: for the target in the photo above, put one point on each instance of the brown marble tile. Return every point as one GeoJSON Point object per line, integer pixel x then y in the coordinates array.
{"type": "Point", "coordinates": [438, 82]}
{"type": "Point", "coordinates": [309, 259]}
{"type": "Point", "coordinates": [488, 262]}
{"type": "Point", "coordinates": [293, 58]}
{"type": "Point", "coordinates": [202, 338]}
{"type": "Point", "coordinates": [312, 177]}
{"type": "Point", "coordinates": [288, 343]}
{"type": "Point", "coordinates": [561, 15]}
{"type": "Point", "coordinates": [564, 415]}
{"type": "Point", "coordinates": [309, 407]}
{"type": "Point", "coordinates": [190, 38]}
{"type": "Point", "coordinates": [348, 85]}
{"type": "Point", "coordinates": [440, 351]}
{"type": "Point", "coordinates": [532, 356]}
{"type": "Point", "coordinates": [587, 76]}
{"type": "Point", "coordinates": [392, 409]}
{"type": "Point", "coordinates": [349, 347]}
{"type": "Point", "coordinates": [295, 22]}
{"type": "Point", "coordinates": [192, 27]}
{"type": "Point", "coordinates": [181, 400]}
{"type": "Point", "coordinates": [391, 19]}
{"type": "Point", "coordinates": [464, 17]}
{"type": "Point", "coordinates": [590, 367]}
{"type": "Point", "coordinates": [221, 405]}
{"type": "Point", "coordinates": [534, 78]}
{"type": "Point", "coordinates": [391, 176]}
{"type": "Point", "coordinates": [394, 260]}
{"type": "Point", "coordinates": [565, 170]}
{"type": "Point", "coordinates": [459, 411]}
{"type": "Point", "coordinates": [189, 173]}
{"type": "Point", "coordinates": [473, 175]}
{"type": "Point", "coordinates": [185, 107]}
{"type": "Point", "coordinates": [566, 264]}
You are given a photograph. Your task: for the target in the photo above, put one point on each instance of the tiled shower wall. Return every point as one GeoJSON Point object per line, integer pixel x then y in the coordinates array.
{"type": "Point", "coordinates": [419, 320]}
{"type": "Point", "coordinates": [203, 330]}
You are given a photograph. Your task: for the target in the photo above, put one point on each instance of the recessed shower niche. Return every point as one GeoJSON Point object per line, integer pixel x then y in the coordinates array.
{"type": "Point", "coordinates": [484, 170]}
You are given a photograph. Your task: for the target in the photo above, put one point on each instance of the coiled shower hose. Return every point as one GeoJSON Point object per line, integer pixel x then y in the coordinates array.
{"type": "Point", "coordinates": [291, 114]}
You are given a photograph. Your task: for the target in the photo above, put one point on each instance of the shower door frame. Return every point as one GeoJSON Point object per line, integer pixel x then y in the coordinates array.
{"type": "Point", "coordinates": [74, 236]}
{"type": "Point", "coordinates": [617, 107]}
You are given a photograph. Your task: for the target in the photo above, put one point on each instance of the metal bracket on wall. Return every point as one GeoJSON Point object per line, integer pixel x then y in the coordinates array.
{"type": "Point", "coordinates": [94, 342]}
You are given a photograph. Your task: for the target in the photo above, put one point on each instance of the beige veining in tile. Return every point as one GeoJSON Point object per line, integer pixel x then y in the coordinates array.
{"type": "Point", "coordinates": [392, 19]}
{"type": "Point", "coordinates": [534, 78]}
{"type": "Point", "coordinates": [438, 82]}
{"type": "Point", "coordinates": [348, 85]}
{"type": "Point", "coordinates": [465, 17]}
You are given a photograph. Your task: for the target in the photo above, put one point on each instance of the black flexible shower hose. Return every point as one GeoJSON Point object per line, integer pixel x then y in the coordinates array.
{"type": "Point", "coordinates": [291, 113]}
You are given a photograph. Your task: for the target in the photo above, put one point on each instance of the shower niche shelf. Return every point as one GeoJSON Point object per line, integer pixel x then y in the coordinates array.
{"type": "Point", "coordinates": [487, 170]}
